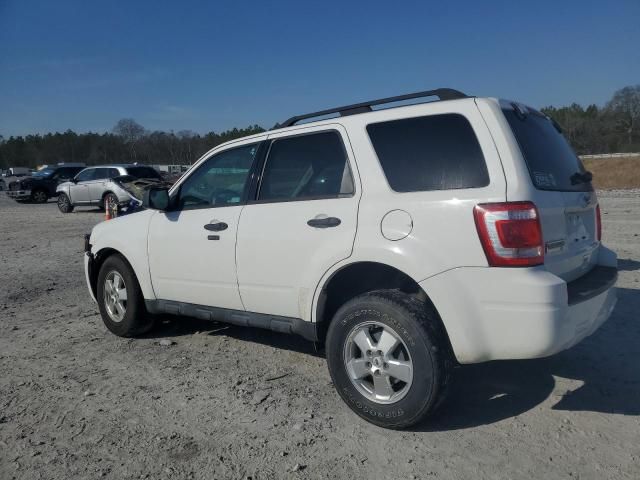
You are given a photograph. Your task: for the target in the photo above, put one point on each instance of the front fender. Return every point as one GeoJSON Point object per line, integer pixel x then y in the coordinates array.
{"type": "Point", "coordinates": [127, 235]}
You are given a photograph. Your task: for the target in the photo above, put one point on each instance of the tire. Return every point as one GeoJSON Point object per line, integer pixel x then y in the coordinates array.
{"type": "Point", "coordinates": [407, 398]}
{"type": "Point", "coordinates": [112, 199]}
{"type": "Point", "coordinates": [134, 320]}
{"type": "Point", "coordinates": [39, 196]}
{"type": "Point", "coordinates": [64, 204]}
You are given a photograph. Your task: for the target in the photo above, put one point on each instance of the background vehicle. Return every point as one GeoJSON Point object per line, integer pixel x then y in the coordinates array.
{"type": "Point", "coordinates": [407, 239]}
{"type": "Point", "coordinates": [16, 172]}
{"type": "Point", "coordinates": [93, 186]}
{"type": "Point", "coordinates": [41, 185]}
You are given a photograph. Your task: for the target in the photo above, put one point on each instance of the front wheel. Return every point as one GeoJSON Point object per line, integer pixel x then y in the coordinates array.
{"type": "Point", "coordinates": [387, 358]}
{"type": "Point", "coordinates": [64, 204]}
{"type": "Point", "coordinates": [39, 196]}
{"type": "Point", "coordinates": [120, 299]}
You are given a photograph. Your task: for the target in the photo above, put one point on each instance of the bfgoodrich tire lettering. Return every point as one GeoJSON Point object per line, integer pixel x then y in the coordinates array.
{"type": "Point", "coordinates": [135, 320]}
{"type": "Point", "coordinates": [417, 328]}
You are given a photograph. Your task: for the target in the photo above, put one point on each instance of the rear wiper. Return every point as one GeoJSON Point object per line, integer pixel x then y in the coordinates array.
{"type": "Point", "coordinates": [581, 177]}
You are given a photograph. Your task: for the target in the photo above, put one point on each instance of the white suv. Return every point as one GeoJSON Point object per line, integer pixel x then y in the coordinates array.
{"type": "Point", "coordinates": [407, 240]}
{"type": "Point", "coordinates": [94, 186]}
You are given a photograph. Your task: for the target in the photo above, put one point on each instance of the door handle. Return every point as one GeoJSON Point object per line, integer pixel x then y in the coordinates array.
{"type": "Point", "coordinates": [216, 227]}
{"type": "Point", "coordinates": [327, 222]}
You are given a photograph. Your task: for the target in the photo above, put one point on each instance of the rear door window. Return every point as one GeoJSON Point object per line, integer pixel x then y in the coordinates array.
{"type": "Point", "coordinates": [101, 173]}
{"type": "Point", "coordinates": [552, 163]}
{"type": "Point", "coordinates": [436, 152]}
{"type": "Point", "coordinates": [306, 166]}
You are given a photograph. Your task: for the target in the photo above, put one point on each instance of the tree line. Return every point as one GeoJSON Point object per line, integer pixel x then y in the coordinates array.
{"type": "Point", "coordinates": [591, 130]}
{"type": "Point", "coordinates": [128, 142]}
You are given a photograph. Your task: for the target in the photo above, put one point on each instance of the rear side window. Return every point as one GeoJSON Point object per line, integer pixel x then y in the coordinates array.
{"type": "Point", "coordinates": [306, 166]}
{"type": "Point", "coordinates": [437, 152]}
{"type": "Point", "coordinates": [552, 163]}
{"type": "Point", "coordinates": [143, 172]}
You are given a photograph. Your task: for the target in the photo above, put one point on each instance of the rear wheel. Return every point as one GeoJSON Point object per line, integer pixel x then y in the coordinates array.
{"type": "Point", "coordinates": [120, 299]}
{"type": "Point", "coordinates": [387, 358]}
{"type": "Point", "coordinates": [111, 200]}
{"type": "Point", "coordinates": [64, 204]}
{"type": "Point", "coordinates": [39, 196]}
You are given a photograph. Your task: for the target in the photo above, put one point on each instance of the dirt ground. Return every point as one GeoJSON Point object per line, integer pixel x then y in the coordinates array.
{"type": "Point", "coordinates": [226, 402]}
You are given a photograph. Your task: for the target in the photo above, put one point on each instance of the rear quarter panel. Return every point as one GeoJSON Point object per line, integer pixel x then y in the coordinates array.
{"type": "Point", "coordinates": [443, 234]}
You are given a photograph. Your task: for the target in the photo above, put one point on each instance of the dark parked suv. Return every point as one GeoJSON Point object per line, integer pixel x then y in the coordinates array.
{"type": "Point", "coordinates": [41, 186]}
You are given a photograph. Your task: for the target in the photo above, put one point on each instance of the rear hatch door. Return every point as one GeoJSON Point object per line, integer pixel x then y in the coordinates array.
{"type": "Point", "coordinates": [564, 194]}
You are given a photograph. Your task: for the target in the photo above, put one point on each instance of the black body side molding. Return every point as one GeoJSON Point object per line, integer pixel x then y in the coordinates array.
{"type": "Point", "coordinates": [241, 318]}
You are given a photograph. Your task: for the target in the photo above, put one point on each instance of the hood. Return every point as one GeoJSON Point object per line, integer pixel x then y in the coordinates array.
{"type": "Point", "coordinates": [64, 185]}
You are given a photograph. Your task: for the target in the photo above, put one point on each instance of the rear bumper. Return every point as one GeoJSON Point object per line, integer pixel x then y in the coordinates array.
{"type": "Point", "coordinates": [503, 313]}
{"type": "Point", "coordinates": [19, 194]}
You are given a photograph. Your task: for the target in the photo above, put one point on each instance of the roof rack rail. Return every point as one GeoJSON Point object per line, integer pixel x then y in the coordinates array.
{"type": "Point", "coordinates": [441, 93]}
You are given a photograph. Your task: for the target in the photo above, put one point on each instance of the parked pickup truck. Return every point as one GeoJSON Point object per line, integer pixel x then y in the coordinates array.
{"type": "Point", "coordinates": [41, 185]}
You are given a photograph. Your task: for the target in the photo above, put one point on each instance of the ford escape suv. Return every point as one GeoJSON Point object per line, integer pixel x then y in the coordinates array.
{"type": "Point", "coordinates": [407, 239]}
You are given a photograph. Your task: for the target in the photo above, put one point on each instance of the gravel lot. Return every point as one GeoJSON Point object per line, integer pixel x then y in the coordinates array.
{"type": "Point", "coordinates": [226, 402]}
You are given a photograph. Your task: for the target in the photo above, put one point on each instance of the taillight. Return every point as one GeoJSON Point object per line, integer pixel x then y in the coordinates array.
{"type": "Point", "coordinates": [598, 223]}
{"type": "Point", "coordinates": [510, 233]}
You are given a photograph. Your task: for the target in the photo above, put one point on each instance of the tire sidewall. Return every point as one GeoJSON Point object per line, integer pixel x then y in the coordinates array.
{"type": "Point", "coordinates": [422, 393]}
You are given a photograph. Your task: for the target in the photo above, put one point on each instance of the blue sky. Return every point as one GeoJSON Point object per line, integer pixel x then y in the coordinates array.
{"type": "Point", "coordinates": [206, 66]}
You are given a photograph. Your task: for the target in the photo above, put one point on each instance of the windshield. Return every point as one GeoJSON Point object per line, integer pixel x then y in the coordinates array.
{"type": "Point", "coordinates": [45, 172]}
{"type": "Point", "coordinates": [143, 172]}
{"type": "Point", "coordinates": [552, 163]}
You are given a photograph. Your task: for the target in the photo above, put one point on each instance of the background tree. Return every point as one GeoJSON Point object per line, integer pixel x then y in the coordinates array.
{"type": "Point", "coordinates": [591, 130]}
{"type": "Point", "coordinates": [626, 103]}
{"type": "Point", "coordinates": [131, 132]}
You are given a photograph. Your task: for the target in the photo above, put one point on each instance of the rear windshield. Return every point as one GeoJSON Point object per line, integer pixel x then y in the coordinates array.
{"type": "Point", "coordinates": [143, 172]}
{"type": "Point", "coordinates": [552, 163]}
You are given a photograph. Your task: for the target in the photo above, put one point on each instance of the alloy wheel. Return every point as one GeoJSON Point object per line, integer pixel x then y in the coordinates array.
{"type": "Point", "coordinates": [115, 296]}
{"type": "Point", "coordinates": [378, 363]}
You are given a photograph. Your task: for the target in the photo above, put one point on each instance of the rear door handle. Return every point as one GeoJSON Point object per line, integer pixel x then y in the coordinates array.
{"type": "Point", "coordinates": [328, 222]}
{"type": "Point", "coordinates": [216, 227]}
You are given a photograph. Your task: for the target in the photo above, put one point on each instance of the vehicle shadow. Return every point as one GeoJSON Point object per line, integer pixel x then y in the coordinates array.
{"type": "Point", "coordinates": [486, 393]}
{"type": "Point", "coordinates": [175, 326]}
{"type": "Point", "coordinates": [628, 265]}
{"type": "Point", "coordinates": [606, 363]}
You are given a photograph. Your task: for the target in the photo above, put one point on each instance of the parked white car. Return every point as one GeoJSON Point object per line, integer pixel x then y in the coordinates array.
{"type": "Point", "coordinates": [406, 239]}
{"type": "Point", "coordinates": [93, 186]}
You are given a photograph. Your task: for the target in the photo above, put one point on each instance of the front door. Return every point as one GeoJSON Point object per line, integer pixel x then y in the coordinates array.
{"type": "Point", "coordinates": [192, 247]}
{"type": "Point", "coordinates": [79, 191]}
{"type": "Point", "coordinates": [302, 222]}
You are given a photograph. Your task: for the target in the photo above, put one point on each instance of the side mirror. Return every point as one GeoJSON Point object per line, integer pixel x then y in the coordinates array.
{"type": "Point", "coordinates": [156, 198]}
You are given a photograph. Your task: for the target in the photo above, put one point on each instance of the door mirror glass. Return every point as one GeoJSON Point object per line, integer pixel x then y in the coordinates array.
{"type": "Point", "coordinates": [156, 198]}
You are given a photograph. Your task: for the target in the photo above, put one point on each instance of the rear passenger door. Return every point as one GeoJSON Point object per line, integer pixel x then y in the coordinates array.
{"type": "Point", "coordinates": [301, 221]}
